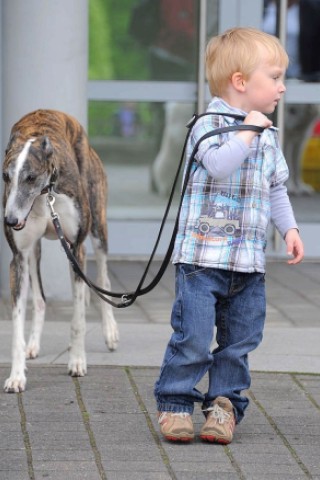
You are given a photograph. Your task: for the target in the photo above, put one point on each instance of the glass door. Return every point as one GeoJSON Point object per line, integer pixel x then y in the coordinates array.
{"type": "Point", "coordinates": [297, 24]}
{"type": "Point", "coordinates": [142, 91]}
{"type": "Point", "coordinates": [146, 79]}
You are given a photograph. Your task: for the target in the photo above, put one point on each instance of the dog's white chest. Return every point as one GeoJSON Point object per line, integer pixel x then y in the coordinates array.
{"type": "Point", "coordinates": [39, 223]}
{"type": "Point", "coordinates": [68, 216]}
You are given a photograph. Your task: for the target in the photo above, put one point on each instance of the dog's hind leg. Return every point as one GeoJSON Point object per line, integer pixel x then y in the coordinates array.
{"type": "Point", "coordinates": [97, 188]}
{"type": "Point", "coordinates": [39, 304]}
{"type": "Point", "coordinates": [109, 324]}
{"type": "Point", "coordinates": [77, 366]}
{"type": "Point", "coordinates": [19, 283]}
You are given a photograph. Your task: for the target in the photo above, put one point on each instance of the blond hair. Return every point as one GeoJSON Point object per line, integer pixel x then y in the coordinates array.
{"type": "Point", "coordinates": [237, 50]}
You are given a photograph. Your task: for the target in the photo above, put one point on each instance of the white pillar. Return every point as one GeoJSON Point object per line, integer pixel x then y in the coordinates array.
{"type": "Point", "coordinates": [1, 145]}
{"type": "Point", "coordinates": [44, 65]}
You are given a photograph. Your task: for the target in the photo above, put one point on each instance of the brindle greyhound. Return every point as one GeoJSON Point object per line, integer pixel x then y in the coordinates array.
{"type": "Point", "coordinates": [49, 151]}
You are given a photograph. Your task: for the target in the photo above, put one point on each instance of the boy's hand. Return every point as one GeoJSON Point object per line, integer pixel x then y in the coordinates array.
{"type": "Point", "coordinates": [257, 118]}
{"type": "Point", "coordinates": [294, 246]}
{"type": "Point", "coordinates": [253, 118]}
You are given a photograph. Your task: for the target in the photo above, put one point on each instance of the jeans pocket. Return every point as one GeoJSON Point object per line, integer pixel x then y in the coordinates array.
{"type": "Point", "coordinates": [189, 270]}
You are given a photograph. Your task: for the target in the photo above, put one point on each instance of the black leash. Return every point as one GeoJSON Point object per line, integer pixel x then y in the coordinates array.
{"type": "Point", "coordinates": [128, 298]}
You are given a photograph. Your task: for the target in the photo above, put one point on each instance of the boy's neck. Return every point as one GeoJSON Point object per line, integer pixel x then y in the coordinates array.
{"type": "Point", "coordinates": [235, 101]}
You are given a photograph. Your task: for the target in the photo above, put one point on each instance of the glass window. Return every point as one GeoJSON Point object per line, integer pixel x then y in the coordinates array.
{"type": "Point", "coordinates": [147, 40]}
{"type": "Point", "coordinates": [302, 36]}
{"type": "Point", "coordinates": [301, 120]}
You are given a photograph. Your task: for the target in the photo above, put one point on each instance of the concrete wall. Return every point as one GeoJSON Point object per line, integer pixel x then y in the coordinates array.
{"type": "Point", "coordinates": [44, 56]}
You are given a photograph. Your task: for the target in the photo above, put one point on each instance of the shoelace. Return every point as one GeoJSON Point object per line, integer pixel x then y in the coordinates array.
{"type": "Point", "coordinates": [174, 414]}
{"type": "Point", "coordinates": [219, 413]}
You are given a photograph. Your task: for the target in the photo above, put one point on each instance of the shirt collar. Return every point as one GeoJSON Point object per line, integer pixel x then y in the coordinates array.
{"type": "Point", "coordinates": [217, 104]}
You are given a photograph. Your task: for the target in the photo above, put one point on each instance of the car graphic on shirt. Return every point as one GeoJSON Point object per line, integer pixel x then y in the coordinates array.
{"type": "Point", "coordinates": [226, 225]}
{"type": "Point", "coordinates": [222, 216]}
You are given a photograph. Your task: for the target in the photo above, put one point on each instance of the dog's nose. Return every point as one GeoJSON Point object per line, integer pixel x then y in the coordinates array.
{"type": "Point", "coordinates": [11, 221]}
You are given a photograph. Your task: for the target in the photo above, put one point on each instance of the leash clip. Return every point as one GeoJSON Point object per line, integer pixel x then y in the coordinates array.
{"type": "Point", "coordinates": [50, 202]}
{"type": "Point", "coordinates": [125, 299]}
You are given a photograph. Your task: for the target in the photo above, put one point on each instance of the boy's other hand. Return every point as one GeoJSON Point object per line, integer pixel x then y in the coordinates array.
{"type": "Point", "coordinates": [294, 246]}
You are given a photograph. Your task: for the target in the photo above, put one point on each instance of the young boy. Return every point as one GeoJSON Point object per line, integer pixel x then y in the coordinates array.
{"type": "Point", "coordinates": [235, 186]}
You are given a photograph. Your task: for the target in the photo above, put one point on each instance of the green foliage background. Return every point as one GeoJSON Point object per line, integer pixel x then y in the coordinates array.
{"type": "Point", "coordinates": [113, 55]}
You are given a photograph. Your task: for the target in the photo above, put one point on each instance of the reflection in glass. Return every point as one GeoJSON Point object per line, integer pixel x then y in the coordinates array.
{"type": "Point", "coordinates": [302, 23]}
{"type": "Point", "coordinates": [162, 46]}
{"type": "Point", "coordinates": [303, 34]}
{"type": "Point", "coordinates": [299, 124]}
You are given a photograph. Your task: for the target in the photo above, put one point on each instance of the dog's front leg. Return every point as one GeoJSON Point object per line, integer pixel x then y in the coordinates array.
{"type": "Point", "coordinates": [77, 366]}
{"type": "Point", "coordinates": [39, 304]}
{"type": "Point", "coordinates": [19, 282]}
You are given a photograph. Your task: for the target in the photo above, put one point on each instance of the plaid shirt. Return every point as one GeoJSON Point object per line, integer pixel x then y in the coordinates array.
{"type": "Point", "coordinates": [223, 224]}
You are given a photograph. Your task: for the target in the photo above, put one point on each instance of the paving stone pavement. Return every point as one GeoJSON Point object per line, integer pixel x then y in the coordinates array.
{"type": "Point", "coordinates": [104, 426]}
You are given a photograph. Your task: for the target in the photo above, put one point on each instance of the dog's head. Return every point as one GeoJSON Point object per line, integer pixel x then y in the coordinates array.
{"type": "Point", "coordinates": [27, 169]}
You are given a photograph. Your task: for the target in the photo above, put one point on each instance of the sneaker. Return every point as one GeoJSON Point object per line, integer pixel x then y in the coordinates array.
{"type": "Point", "coordinates": [176, 426]}
{"type": "Point", "coordinates": [220, 423]}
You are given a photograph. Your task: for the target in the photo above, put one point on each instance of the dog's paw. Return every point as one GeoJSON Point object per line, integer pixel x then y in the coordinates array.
{"type": "Point", "coordinates": [32, 351]}
{"type": "Point", "coordinates": [111, 334]}
{"type": "Point", "coordinates": [15, 384]}
{"type": "Point", "coordinates": [77, 366]}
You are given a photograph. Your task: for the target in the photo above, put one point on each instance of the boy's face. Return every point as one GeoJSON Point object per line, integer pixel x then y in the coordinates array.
{"type": "Point", "coordinates": [265, 87]}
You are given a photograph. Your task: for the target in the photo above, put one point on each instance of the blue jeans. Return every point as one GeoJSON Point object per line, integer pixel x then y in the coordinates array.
{"type": "Point", "coordinates": [235, 304]}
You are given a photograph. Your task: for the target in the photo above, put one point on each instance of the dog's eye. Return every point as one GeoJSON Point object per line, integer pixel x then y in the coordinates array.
{"type": "Point", "coordinates": [5, 177]}
{"type": "Point", "coordinates": [30, 178]}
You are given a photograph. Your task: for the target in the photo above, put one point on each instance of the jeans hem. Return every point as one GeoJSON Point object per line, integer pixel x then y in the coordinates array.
{"type": "Point", "coordinates": [169, 407]}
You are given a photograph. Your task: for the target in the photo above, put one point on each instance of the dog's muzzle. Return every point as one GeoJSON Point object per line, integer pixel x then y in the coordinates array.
{"type": "Point", "coordinates": [13, 223]}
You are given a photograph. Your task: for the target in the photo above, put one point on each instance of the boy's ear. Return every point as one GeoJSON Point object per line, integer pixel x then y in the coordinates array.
{"type": "Point", "coordinates": [238, 81]}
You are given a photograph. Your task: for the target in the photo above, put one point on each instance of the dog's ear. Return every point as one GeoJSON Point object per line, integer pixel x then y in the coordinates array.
{"type": "Point", "coordinates": [12, 138]}
{"type": "Point", "coordinates": [46, 146]}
